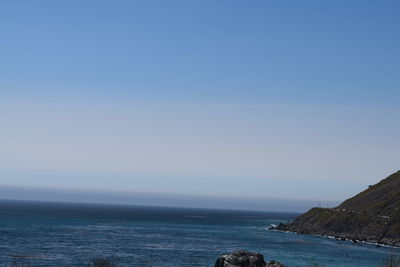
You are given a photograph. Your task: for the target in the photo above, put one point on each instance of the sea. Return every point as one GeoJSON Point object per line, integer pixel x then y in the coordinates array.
{"type": "Point", "coordinates": [70, 234]}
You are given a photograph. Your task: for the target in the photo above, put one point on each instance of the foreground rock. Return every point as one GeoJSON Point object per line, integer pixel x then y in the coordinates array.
{"type": "Point", "coordinates": [242, 258]}
{"type": "Point", "coordinates": [372, 216]}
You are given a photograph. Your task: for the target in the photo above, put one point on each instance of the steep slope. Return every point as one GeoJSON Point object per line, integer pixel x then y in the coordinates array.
{"type": "Point", "coordinates": [373, 215]}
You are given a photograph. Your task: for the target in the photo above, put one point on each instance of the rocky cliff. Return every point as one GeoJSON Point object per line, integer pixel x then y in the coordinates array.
{"type": "Point", "coordinates": [373, 215]}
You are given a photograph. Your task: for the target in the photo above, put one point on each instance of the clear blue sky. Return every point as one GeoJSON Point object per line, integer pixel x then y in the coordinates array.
{"type": "Point", "coordinates": [200, 97]}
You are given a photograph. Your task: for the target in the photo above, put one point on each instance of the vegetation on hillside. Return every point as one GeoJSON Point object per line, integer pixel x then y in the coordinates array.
{"type": "Point", "coordinates": [372, 215]}
{"type": "Point", "coordinates": [392, 261]}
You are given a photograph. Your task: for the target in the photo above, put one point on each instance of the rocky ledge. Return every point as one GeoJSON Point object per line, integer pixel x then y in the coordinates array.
{"type": "Point", "coordinates": [243, 258]}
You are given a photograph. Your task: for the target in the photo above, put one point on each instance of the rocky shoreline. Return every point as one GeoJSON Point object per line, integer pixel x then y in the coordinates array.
{"type": "Point", "coordinates": [372, 216]}
{"type": "Point", "coordinates": [347, 238]}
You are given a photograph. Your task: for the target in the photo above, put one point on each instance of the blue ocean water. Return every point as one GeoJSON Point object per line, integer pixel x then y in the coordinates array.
{"type": "Point", "coordinates": [61, 234]}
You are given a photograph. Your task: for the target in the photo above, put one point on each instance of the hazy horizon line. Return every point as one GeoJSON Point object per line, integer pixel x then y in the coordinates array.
{"type": "Point", "coordinates": [84, 196]}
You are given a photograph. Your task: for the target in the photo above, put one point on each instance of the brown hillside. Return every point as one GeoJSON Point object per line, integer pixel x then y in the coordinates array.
{"type": "Point", "coordinates": [372, 215]}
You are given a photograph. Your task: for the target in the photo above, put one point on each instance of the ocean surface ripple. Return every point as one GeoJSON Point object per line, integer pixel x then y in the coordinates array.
{"type": "Point", "coordinates": [62, 234]}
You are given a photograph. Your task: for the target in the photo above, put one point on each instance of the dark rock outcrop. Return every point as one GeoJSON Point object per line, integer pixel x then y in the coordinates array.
{"type": "Point", "coordinates": [373, 216]}
{"type": "Point", "coordinates": [242, 258]}
{"type": "Point", "coordinates": [274, 264]}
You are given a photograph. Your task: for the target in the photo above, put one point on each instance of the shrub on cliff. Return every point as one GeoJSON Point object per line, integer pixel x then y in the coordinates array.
{"type": "Point", "coordinates": [392, 261]}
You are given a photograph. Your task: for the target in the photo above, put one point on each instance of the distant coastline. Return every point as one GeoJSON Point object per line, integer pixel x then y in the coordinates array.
{"type": "Point", "coordinates": [372, 216]}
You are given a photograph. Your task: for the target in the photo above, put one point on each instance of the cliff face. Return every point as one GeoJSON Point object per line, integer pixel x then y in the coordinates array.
{"type": "Point", "coordinates": [373, 215]}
